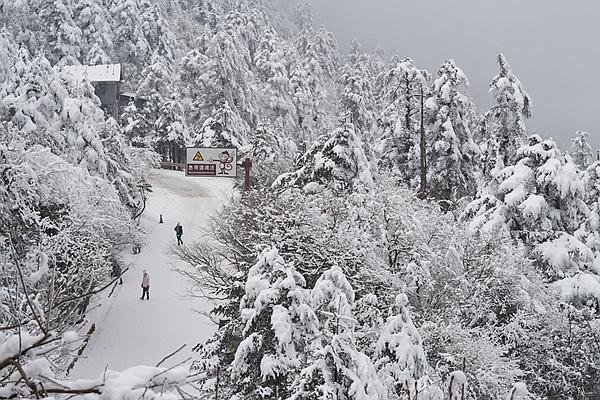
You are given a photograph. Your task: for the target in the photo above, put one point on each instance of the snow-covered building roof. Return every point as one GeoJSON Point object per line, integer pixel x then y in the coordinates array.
{"type": "Point", "coordinates": [95, 73]}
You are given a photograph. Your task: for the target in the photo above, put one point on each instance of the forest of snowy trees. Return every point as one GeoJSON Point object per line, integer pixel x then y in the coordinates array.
{"type": "Point", "coordinates": [399, 243]}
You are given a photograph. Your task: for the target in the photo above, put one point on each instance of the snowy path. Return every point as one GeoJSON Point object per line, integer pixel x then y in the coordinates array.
{"type": "Point", "coordinates": [135, 332]}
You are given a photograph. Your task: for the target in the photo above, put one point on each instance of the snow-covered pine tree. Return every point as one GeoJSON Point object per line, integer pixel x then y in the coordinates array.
{"type": "Point", "coordinates": [17, 18]}
{"type": "Point", "coordinates": [339, 163]}
{"type": "Point", "coordinates": [130, 44]}
{"type": "Point", "coordinates": [91, 16]}
{"type": "Point", "coordinates": [337, 371]}
{"type": "Point", "coordinates": [451, 155]}
{"type": "Point", "coordinates": [369, 321]}
{"type": "Point", "coordinates": [274, 58]}
{"type": "Point", "coordinates": [308, 96]}
{"type": "Point", "coordinates": [302, 17]}
{"type": "Point", "coordinates": [272, 153]}
{"type": "Point", "coordinates": [222, 129]}
{"type": "Point", "coordinates": [342, 160]}
{"type": "Point", "coordinates": [269, 145]}
{"type": "Point", "coordinates": [157, 32]}
{"type": "Point", "coordinates": [356, 97]}
{"type": "Point", "coordinates": [125, 178]}
{"type": "Point", "coordinates": [156, 84]}
{"type": "Point", "coordinates": [581, 151]}
{"type": "Point", "coordinates": [542, 191]}
{"type": "Point", "coordinates": [591, 180]}
{"type": "Point", "coordinates": [503, 128]}
{"type": "Point", "coordinates": [401, 360]}
{"type": "Point", "coordinates": [219, 74]}
{"type": "Point", "coordinates": [279, 327]}
{"type": "Point", "coordinates": [589, 230]}
{"type": "Point", "coordinates": [400, 93]}
{"type": "Point", "coordinates": [63, 36]}
{"type": "Point", "coordinates": [539, 199]}
{"type": "Point", "coordinates": [61, 113]}
{"type": "Point", "coordinates": [333, 299]}
{"type": "Point", "coordinates": [137, 126]}
{"type": "Point", "coordinates": [311, 80]}
{"type": "Point", "coordinates": [322, 47]}
{"type": "Point", "coordinates": [172, 132]}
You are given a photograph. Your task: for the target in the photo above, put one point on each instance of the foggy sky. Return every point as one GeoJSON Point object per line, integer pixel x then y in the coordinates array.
{"type": "Point", "coordinates": [552, 45]}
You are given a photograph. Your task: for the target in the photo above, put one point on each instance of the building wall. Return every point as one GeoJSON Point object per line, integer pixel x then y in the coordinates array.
{"type": "Point", "coordinates": [108, 93]}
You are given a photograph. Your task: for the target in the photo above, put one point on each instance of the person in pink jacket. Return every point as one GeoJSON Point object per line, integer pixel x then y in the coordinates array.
{"type": "Point", "coordinates": [145, 286]}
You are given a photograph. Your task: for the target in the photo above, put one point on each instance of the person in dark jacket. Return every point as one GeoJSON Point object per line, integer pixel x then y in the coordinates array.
{"type": "Point", "coordinates": [145, 286]}
{"type": "Point", "coordinates": [179, 233]}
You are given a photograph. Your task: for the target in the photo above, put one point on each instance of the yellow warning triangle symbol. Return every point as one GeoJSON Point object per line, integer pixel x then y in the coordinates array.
{"type": "Point", "coordinates": [198, 157]}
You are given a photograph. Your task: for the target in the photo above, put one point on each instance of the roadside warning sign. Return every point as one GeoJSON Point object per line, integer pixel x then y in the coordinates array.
{"type": "Point", "coordinates": [211, 161]}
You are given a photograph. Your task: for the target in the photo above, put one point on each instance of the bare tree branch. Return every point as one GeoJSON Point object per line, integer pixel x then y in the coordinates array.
{"type": "Point", "coordinates": [171, 355]}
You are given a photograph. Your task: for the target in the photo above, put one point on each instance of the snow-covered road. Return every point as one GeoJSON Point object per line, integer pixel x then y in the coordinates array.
{"type": "Point", "coordinates": [131, 331]}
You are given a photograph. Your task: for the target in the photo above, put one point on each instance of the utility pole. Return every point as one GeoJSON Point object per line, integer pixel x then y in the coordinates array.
{"type": "Point", "coordinates": [423, 147]}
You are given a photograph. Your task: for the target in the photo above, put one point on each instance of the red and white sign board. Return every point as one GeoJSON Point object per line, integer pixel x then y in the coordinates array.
{"type": "Point", "coordinates": [211, 161]}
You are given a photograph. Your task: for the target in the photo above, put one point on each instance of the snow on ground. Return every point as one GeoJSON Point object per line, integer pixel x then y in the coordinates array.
{"type": "Point", "coordinates": [130, 331]}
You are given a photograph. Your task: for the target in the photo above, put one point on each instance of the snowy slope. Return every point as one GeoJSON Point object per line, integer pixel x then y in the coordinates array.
{"type": "Point", "coordinates": [131, 331]}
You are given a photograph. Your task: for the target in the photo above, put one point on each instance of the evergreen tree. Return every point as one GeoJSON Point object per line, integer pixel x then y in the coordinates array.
{"type": "Point", "coordinates": [222, 129]}
{"type": "Point", "coordinates": [338, 370]}
{"type": "Point", "coordinates": [401, 360]}
{"type": "Point", "coordinates": [156, 31]}
{"type": "Point", "coordinates": [279, 327]}
{"type": "Point", "coordinates": [452, 152]}
{"type": "Point", "coordinates": [91, 16]}
{"type": "Point", "coordinates": [540, 199]}
{"type": "Point", "coordinates": [156, 85]}
{"type": "Point", "coordinates": [302, 18]}
{"type": "Point", "coordinates": [317, 64]}
{"type": "Point", "coordinates": [339, 162]}
{"type": "Point", "coordinates": [172, 132]}
{"type": "Point", "coordinates": [131, 46]}
{"type": "Point", "coordinates": [206, 12]}
{"type": "Point", "coordinates": [581, 151]}
{"type": "Point", "coordinates": [272, 154]}
{"type": "Point", "coordinates": [369, 323]}
{"type": "Point", "coordinates": [63, 36]}
{"type": "Point", "coordinates": [274, 59]}
{"type": "Point", "coordinates": [220, 74]}
{"type": "Point", "coordinates": [356, 97]}
{"type": "Point", "coordinates": [503, 127]}
{"type": "Point", "coordinates": [137, 126]}
{"type": "Point", "coordinates": [402, 87]}
{"type": "Point", "coordinates": [542, 192]}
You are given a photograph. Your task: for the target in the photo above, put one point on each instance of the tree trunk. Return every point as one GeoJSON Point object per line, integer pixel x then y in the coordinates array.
{"type": "Point", "coordinates": [423, 146]}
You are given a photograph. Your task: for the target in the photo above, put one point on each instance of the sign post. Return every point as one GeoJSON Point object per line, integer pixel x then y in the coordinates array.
{"type": "Point", "coordinates": [211, 162]}
{"type": "Point", "coordinates": [247, 164]}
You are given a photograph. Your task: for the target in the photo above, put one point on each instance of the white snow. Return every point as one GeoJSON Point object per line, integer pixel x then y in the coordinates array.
{"type": "Point", "coordinates": [581, 285]}
{"type": "Point", "coordinates": [130, 331]}
{"type": "Point", "coordinates": [42, 270]}
{"type": "Point", "coordinates": [94, 73]}
{"type": "Point", "coordinates": [563, 253]}
{"type": "Point", "coordinates": [312, 188]}
{"type": "Point", "coordinates": [11, 345]}
{"type": "Point", "coordinates": [533, 206]}
{"type": "Point", "coordinates": [519, 392]}
{"type": "Point", "coordinates": [458, 383]}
